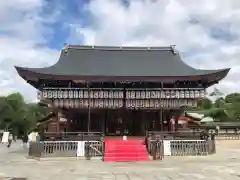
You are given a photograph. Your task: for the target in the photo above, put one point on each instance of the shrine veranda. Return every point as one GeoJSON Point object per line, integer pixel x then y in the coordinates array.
{"type": "Point", "coordinates": [119, 90]}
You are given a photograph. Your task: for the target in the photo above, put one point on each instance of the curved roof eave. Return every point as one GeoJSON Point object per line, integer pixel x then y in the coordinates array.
{"type": "Point", "coordinates": [210, 75]}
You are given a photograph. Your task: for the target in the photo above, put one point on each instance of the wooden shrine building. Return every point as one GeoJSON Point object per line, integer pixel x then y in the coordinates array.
{"type": "Point", "coordinates": [118, 90]}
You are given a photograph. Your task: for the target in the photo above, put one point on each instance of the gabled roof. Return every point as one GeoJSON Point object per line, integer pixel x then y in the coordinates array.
{"type": "Point", "coordinates": [120, 63]}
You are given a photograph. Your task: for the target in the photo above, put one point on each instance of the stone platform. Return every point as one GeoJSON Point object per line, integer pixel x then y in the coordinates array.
{"type": "Point", "coordinates": [224, 165]}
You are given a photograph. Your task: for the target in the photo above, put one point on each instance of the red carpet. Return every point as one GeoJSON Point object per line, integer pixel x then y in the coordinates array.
{"type": "Point", "coordinates": [130, 150]}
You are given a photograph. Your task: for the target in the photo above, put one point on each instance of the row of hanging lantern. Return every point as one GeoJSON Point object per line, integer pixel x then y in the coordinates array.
{"type": "Point", "coordinates": [130, 94]}
{"type": "Point", "coordinates": [117, 103]}
{"type": "Point", "coordinates": [81, 94]}
{"type": "Point", "coordinates": [94, 103]}
{"type": "Point", "coordinates": [156, 104]}
{"type": "Point", "coordinates": [165, 94]}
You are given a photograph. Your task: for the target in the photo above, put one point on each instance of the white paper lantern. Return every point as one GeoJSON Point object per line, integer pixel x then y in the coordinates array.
{"type": "Point", "coordinates": [157, 104]}
{"type": "Point", "coordinates": [106, 94]}
{"type": "Point", "coordinates": [147, 103]}
{"type": "Point", "coordinates": [39, 95]}
{"type": "Point", "coordinates": [196, 94]}
{"type": "Point", "coordinates": [177, 94]}
{"type": "Point", "coordinates": [66, 103]}
{"type": "Point", "coordinates": [138, 94]}
{"type": "Point", "coordinates": [65, 94]}
{"type": "Point", "coordinates": [85, 94]}
{"type": "Point", "coordinates": [143, 94]}
{"type": "Point", "coordinates": [71, 103]}
{"type": "Point", "coordinates": [50, 95]}
{"type": "Point", "coordinates": [132, 94]}
{"type": "Point", "coordinates": [81, 103]}
{"type": "Point", "coordinates": [202, 93]}
{"type": "Point", "coordinates": [173, 94]}
{"type": "Point", "coordinates": [56, 103]}
{"type": "Point", "coordinates": [92, 94]}
{"type": "Point", "coordinates": [163, 94]}
{"type": "Point", "coordinates": [168, 94]}
{"type": "Point", "coordinates": [101, 94]}
{"type": "Point", "coordinates": [101, 103]}
{"type": "Point", "coordinates": [191, 94]}
{"type": "Point", "coordinates": [148, 94]}
{"type": "Point", "coordinates": [76, 103]}
{"type": "Point", "coordinates": [182, 94]}
{"type": "Point", "coordinates": [80, 94]}
{"type": "Point", "coordinates": [115, 94]}
{"type": "Point", "coordinates": [60, 103]}
{"type": "Point", "coordinates": [120, 94]}
{"type": "Point", "coordinates": [151, 104]}
{"type": "Point", "coordinates": [85, 103]}
{"type": "Point", "coordinates": [60, 94]}
{"type": "Point", "coordinates": [70, 94]}
{"type": "Point", "coordinates": [45, 94]}
{"type": "Point", "coordinates": [75, 94]}
{"type": "Point", "coordinates": [110, 103]}
{"type": "Point", "coordinates": [158, 94]}
{"type": "Point", "coordinates": [137, 104]}
{"type": "Point", "coordinates": [91, 103]}
{"type": "Point", "coordinates": [55, 94]}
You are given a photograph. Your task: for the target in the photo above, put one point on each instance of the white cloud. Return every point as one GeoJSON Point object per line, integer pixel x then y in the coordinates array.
{"type": "Point", "coordinates": [22, 37]}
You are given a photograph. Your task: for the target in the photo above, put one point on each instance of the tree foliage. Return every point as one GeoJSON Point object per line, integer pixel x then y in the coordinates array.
{"type": "Point", "coordinates": [18, 116]}
{"type": "Point", "coordinates": [205, 103]}
{"type": "Point", "coordinates": [224, 109]}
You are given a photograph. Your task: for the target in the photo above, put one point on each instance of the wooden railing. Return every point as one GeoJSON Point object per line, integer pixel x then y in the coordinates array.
{"type": "Point", "coordinates": [189, 148]}
{"type": "Point", "coordinates": [86, 149]}
{"type": "Point", "coordinates": [182, 148]}
{"type": "Point", "coordinates": [180, 144]}
{"type": "Point", "coordinates": [179, 135]}
{"type": "Point", "coordinates": [72, 136]}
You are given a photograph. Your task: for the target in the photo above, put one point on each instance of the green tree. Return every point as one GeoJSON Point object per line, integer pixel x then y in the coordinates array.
{"type": "Point", "coordinates": [205, 104]}
{"type": "Point", "coordinates": [17, 115]}
{"type": "Point", "coordinates": [232, 98]}
{"type": "Point", "coordinates": [232, 106]}
{"type": "Point", "coordinates": [219, 103]}
{"type": "Point", "coordinates": [218, 114]}
{"type": "Point", "coordinates": [6, 113]}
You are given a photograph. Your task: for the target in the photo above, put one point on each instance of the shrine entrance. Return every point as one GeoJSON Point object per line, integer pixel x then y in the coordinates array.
{"type": "Point", "coordinates": [123, 122]}
{"type": "Point", "coordinates": [119, 122]}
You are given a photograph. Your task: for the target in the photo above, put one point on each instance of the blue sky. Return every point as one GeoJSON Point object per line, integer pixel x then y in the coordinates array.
{"type": "Point", "coordinates": [32, 32]}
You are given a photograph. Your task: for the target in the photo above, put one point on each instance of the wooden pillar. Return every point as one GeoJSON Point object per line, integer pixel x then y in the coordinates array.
{"type": "Point", "coordinates": [58, 122]}
{"type": "Point", "coordinates": [89, 110]}
{"type": "Point", "coordinates": [161, 109]}
{"type": "Point", "coordinates": [103, 121]}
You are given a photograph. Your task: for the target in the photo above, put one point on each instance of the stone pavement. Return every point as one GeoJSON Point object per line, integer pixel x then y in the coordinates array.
{"type": "Point", "coordinates": [225, 165]}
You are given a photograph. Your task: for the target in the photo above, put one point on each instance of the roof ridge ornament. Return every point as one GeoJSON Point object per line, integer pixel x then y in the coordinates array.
{"type": "Point", "coordinates": [173, 49]}
{"type": "Point", "coordinates": [66, 47]}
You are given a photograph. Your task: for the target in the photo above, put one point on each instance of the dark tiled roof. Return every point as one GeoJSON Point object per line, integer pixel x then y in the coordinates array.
{"type": "Point", "coordinates": [120, 61]}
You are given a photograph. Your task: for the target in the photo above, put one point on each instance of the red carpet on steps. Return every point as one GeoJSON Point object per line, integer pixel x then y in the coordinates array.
{"type": "Point", "coordinates": [117, 150]}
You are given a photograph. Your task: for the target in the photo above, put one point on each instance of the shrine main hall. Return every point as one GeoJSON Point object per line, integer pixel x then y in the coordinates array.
{"type": "Point", "coordinates": [118, 90]}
